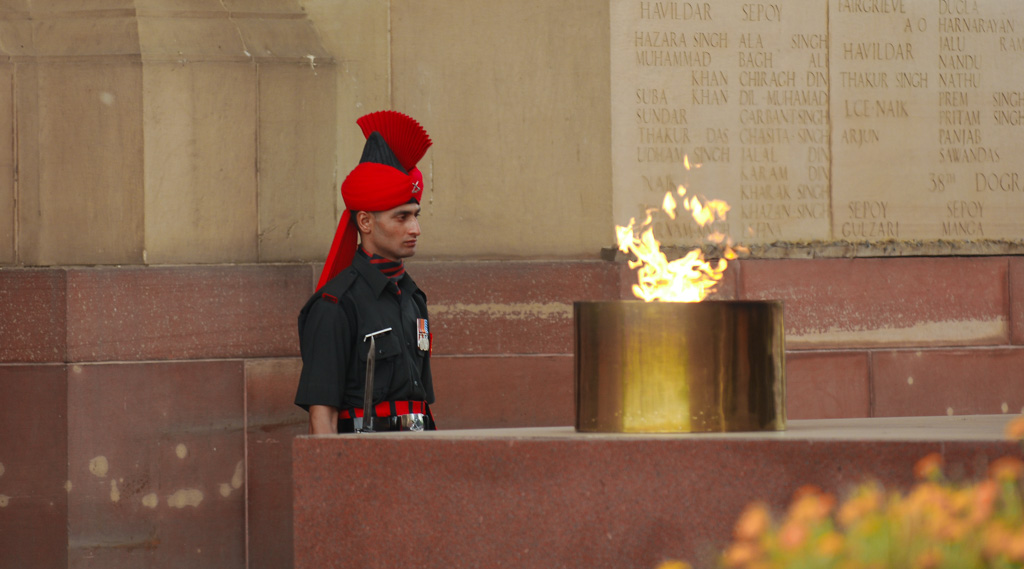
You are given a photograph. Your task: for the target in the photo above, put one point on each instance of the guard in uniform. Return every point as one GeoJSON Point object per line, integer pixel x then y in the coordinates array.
{"type": "Point", "coordinates": [367, 325]}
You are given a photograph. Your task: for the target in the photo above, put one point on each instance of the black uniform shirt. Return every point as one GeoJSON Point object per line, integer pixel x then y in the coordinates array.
{"type": "Point", "coordinates": [332, 329]}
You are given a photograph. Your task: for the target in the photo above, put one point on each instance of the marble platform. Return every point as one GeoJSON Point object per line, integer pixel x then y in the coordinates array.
{"type": "Point", "coordinates": [551, 497]}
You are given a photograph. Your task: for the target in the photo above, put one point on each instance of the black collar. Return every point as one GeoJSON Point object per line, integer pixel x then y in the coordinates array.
{"type": "Point", "coordinates": [376, 279]}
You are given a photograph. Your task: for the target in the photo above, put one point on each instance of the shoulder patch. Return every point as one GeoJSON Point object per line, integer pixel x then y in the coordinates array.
{"type": "Point", "coordinates": [329, 297]}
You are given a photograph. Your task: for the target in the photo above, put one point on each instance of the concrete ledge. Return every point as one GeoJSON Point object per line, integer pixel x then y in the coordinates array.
{"type": "Point", "coordinates": [550, 497]}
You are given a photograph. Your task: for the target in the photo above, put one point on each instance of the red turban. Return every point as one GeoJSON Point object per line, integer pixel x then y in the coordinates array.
{"type": "Point", "coordinates": [386, 178]}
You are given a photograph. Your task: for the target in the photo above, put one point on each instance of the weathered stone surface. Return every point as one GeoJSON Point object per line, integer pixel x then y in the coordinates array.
{"type": "Point", "coordinates": [500, 392]}
{"type": "Point", "coordinates": [16, 32]}
{"type": "Point", "coordinates": [80, 163]}
{"type": "Point", "coordinates": [33, 315]}
{"type": "Point", "coordinates": [33, 466]}
{"type": "Point", "coordinates": [520, 162]}
{"type": "Point", "coordinates": [509, 307]}
{"type": "Point", "coordinates": [1017, 300]}
{"type": "Point", "coordinates": [827, 385]}
{"type": "Point", "coordinates": [200, 150]}
{"type": "Point", "coordinates": [297, 182]}
{"type": "Point", "coordinates": [833, 303]}
{"type": "Point", "coordinates": [107, 31]}
{"type": "Point", "coordinates": [948, 382]}
{"type": "Point", "coordinates": [49, 6]}
{"type": "Point", "coordinates": [287, 37]}
{"type": "Point", "coordinates": [8, 207]}
{"type": "Point", "coordinates": [263, 7]}
{"type": "Point", "coordinates": [561, 499]}
{"type": "Point", "coordinates": [162, 7]}
{"type": "Point", "coordinates": [203, 31]}
{"type": "Point", "coordinates": [185, 313]}
{"type": "Point", "coordinates": [156, 465]}
{"type": "Point", "coordinates": [272, 421]}
{"type": "Point", "coordinates": [356, 33]}
{"type": "Point", "coordinates": [181, 39]}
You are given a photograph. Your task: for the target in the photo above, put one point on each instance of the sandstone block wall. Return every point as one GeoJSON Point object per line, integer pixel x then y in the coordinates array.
{"type": "Point", "coordinates": [169, 177]}
{"type": "Point", "coordinates": [159, 133]}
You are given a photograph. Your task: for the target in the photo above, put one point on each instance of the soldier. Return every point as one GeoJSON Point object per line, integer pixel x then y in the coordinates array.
{"type": "Point", "coordinates": [366, 326]}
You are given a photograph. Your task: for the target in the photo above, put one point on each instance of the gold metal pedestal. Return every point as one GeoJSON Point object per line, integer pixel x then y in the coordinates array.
{"type": "Point", "coordinates": [673, 367]}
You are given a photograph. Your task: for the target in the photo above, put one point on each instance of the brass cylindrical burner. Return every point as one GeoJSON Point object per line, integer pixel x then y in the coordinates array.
{"type": "Point", "coordinates": [674, 367]}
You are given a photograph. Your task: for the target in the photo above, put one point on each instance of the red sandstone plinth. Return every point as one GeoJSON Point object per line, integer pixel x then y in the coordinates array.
{"type": "Point", "coordinates": [552, 497]}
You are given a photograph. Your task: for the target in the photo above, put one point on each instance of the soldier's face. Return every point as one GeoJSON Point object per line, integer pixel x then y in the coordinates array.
{"type": "Point", "coordinates": [392, 234]}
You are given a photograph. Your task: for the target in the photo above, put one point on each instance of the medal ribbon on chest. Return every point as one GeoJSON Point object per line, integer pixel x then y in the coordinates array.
{"type": "Point", "coordinates": [422, 334]}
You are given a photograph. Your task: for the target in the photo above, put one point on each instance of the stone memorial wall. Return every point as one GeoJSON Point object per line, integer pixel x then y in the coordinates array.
{"type": "Point", "coordinates": [892, 125]}
{"type": "Point", "coordinates": [169, 176]}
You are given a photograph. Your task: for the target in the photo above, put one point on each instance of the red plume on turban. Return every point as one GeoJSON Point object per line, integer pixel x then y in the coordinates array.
{"type": "Point", "coordinates": [405, 137]}
{"type": "Point", "coordinates": [378, 183]}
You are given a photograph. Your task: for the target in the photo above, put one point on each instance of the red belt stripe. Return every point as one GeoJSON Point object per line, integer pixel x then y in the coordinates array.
{"type": "Point", "coordinates": [388, 408]}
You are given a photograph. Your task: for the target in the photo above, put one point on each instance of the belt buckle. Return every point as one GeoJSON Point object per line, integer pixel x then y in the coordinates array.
{"type": "Point", "coordinates": [411, 422]}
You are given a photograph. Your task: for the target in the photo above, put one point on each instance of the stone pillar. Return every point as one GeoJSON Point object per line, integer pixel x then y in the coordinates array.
{"type": "Point", "coordinates": [135, 399]}
{"type": "Point", "coordinates": [149, 134]}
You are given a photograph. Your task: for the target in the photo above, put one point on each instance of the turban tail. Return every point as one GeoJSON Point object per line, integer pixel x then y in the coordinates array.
{"type": "Point", "coordinates": [392, 138]}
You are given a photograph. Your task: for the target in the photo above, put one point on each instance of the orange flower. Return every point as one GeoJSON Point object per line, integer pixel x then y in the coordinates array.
{"type": "Point", "coordinates": [929, 467]}
{"type": "Point", "coordinates": [867, 500]}
{"type": "Point", "coordinates": [923, 500]}
{"type": "Point", "coordinates": [1015, 429]}
{"type": "Point", "coordinates": [753, 522]}
{"type": "Point", "coordinates": [674, 565]}
{"type": "Point", "coordinates": [1015, 547]}
{"type": "Point", "coordinates": [792, 535]}
{"type": "Point", "coordinates": [1006, 468]}
{"type": "Point", "coordinates": [935, 524]}
{"type": "Point", "coordinates": [928, 560]}
{"type": "Point", "coordinates": [961, 500]}
{"type": "Point", "coordinates": [953, 530]}
{"type": "Point", "coordinates": [740, 554]}
{"type": "Point", "coordinates": [830, 544]}
{"type": "Point", "coordinates": [811, 504]}
{"type": "Point", "coordinates": [984, 499]}
{"type": "Point", "coordinates": [995, 540]}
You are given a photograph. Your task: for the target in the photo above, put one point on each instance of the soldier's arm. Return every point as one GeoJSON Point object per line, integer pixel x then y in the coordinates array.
{"type": "Point", "coordinates": [323, 420]}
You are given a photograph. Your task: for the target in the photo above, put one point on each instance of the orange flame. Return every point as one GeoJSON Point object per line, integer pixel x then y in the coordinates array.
{"type": "Point", "coordinates": [688, 279]}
